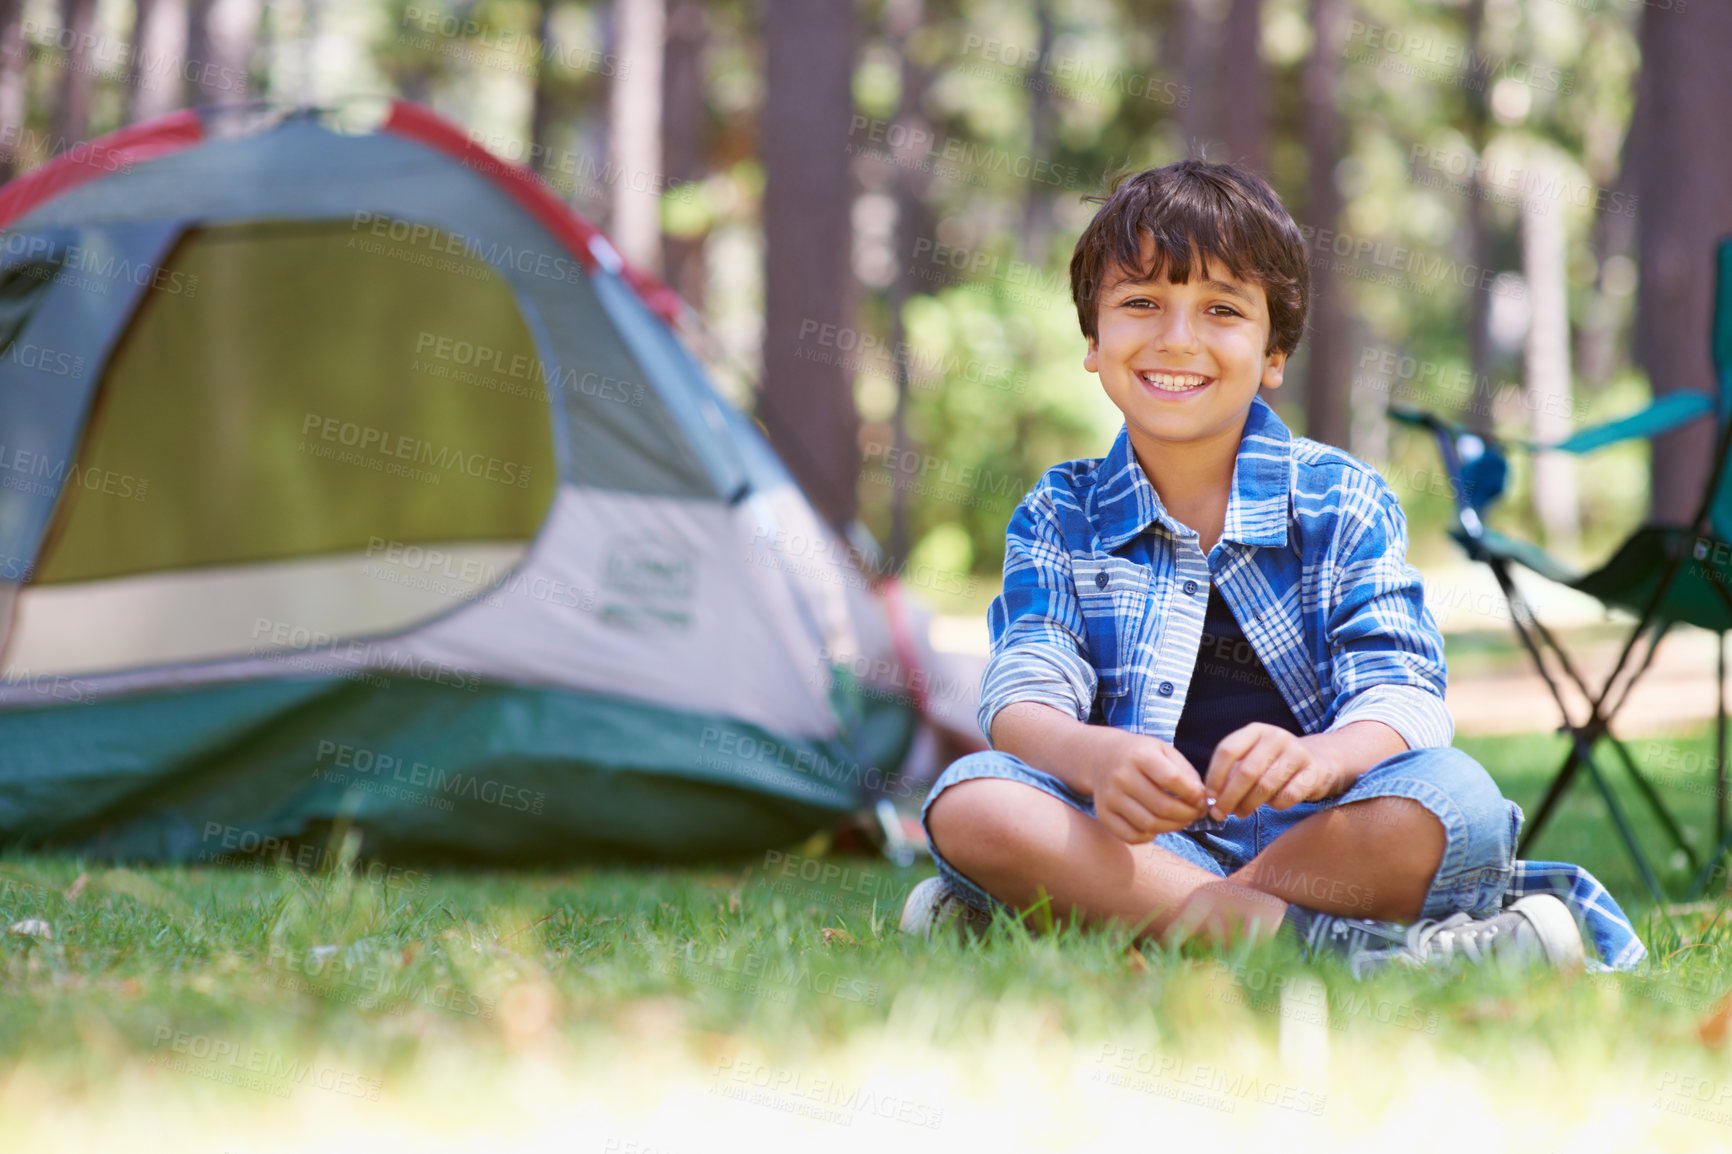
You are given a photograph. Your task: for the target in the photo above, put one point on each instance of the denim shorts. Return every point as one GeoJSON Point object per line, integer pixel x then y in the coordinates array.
{"type": "Point", "coordinates": [1480, 825]}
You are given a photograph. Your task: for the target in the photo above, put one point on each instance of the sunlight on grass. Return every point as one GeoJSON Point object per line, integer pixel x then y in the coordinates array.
{"type": "Point", "coordinates": [266, 1009]}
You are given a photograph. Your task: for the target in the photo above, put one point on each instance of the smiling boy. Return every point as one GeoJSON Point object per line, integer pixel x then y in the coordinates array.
{"type": "Point", "coordinates": [1215, 696]}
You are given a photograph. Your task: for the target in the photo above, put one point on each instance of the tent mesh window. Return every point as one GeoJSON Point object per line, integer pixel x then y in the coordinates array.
{"type": "Point", "coordinates": [308, 391]}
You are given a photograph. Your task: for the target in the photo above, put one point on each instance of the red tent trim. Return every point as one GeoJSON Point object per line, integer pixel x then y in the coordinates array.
{"type": "Point", "coordinates": [92, 160]}
{"type": "Point", "coordinates": [419, 123]}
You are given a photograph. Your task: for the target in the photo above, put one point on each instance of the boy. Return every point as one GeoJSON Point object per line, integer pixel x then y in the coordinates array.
{"type": "Point", "coordinates": [1215, 696]}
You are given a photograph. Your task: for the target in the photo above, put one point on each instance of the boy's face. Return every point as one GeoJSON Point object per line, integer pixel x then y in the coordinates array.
{"type": "Point", "coordinates": [1183, 362]}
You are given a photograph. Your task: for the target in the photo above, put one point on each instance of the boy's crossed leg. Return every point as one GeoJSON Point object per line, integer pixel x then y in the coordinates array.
{"type": "Point", "coordinates": [1377, 858]}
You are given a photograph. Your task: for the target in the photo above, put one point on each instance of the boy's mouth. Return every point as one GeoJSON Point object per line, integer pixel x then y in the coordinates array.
{"type": "Point", "coordinates": [1177, 384]}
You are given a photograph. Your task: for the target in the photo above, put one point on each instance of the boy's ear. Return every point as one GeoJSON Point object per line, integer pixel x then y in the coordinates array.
{"type": "Point", "coordinates": [1092, 358]}
{"type": "Point", "coordinates": [1273, 364]}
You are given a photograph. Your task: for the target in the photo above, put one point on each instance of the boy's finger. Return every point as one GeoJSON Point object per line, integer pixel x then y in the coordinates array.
{"type": "Point", "coordinates": [1169, 770]}
{"type": "Point", "coordinates": [1157, 799]}
{"type": "Point", "coordinates": [1244, 776]}
{"type": "Point", "coordinates": [1282, 770]}
{"type": "Point", "coordinates": [1229, 750]}
{"type": "Point", "coordinates": [1131, 815]}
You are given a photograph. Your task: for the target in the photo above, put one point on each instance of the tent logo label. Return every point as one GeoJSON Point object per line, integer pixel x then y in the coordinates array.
{"type": "Point", "coordinates": [657, 582]}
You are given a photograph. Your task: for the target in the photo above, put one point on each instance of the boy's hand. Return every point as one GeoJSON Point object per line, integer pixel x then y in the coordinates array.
{"type": "Point", "coordinates": [1262, 764]}
{"type": "Point", "coordinates": [1144, 787]}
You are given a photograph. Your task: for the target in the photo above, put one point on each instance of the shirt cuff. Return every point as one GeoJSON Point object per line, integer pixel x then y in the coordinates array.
{"type": "Point", "coordinates": [1043, 675]}
{"type": "Point", "coordinates": [1418, 715]}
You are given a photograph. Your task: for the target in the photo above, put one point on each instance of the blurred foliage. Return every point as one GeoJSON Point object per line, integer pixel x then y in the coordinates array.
{"type": "Point", "coordinates": [993, 352]}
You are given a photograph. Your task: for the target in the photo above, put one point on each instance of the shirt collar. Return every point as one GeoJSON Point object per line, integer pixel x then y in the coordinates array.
{"type": "Point", "coordinates": [1125, 503]}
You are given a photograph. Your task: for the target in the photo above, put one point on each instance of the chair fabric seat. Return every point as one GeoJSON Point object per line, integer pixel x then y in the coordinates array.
{"type": "Point", "coordinates": [1700, 595]}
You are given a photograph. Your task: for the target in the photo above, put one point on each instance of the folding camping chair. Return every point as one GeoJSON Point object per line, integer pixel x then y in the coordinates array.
{"type": "Point", "coordinates": [1664, 574]}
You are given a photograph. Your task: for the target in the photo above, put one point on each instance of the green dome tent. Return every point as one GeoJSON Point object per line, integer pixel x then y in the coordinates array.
{"type": "Point", "coordinates": [349, 475]}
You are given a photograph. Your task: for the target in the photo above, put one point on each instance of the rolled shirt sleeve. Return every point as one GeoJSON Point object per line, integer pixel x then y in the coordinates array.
{"type": "Point", "coordinates": [1039, 642]}
{"type": "Point", "coordinates": [1387, 651]}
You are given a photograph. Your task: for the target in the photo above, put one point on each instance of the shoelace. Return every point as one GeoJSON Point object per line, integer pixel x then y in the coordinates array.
{"type": "Point", "coordinates": [1461, 933]}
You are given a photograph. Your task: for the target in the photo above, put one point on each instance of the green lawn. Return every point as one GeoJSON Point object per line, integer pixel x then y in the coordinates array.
{"type": "Point", "coordinates": [773, 1002]}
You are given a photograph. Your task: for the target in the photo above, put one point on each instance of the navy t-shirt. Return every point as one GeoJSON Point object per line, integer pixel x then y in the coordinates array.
{"type": "Point", "coordinates": [1230, 688]}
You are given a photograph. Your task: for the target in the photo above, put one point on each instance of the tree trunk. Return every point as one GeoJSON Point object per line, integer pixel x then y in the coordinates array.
{"type": "Point", "coordinates": [13, 60]}
{"type": "Point", "coordinates": [808, 398]}
{"type": "Point", "coordinates": [220, 40]}
{"type": "Point", "coordinates": [154, 83]}
{"type": "Point", "coordinates": [1244, 110]}
{"type": "Point", "coordinates": [1480, 403]}
{"type": "Point", "coordinates": [541, 99]}
{"type": "Point", "coordinates": [1037, 205]}
{"type": "Point", "coordinates": [910, 190]}
{"type": "Point", "coordinates": [1544, 255]}
{"type": "Point", "coordinates": [684, 153]}
{"type": "Point", "coordinates": [72, 115]}
{"type": "Point", "coordinates": [1326, 373]}
{"type": "Point", "coordinates": [634, 131]}
{"type": "Point", "coordinates": [1196, 66]}
{"type": "Point", "coordinates": [1684, 170]}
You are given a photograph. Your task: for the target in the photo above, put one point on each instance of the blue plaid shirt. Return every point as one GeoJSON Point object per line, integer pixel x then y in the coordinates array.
{"type": "Point", "coordinates": [1104, 598]}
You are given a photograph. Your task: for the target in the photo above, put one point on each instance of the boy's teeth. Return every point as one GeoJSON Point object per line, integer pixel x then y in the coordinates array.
{"type": "Point", "coordinates": [1174, 382]}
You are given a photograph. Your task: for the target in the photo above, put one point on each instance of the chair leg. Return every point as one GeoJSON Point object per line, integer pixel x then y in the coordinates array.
{"type": "Point", "coordinates": [1623, 826]}
{"type": "Point", "coordinates": [1667, 821]}
{"type": "Point", "coordinates": [1560, 783]}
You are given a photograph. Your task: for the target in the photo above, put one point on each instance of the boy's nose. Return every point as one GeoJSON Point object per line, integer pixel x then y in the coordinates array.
{"type": "Point", "coordinates": [1175, 331]}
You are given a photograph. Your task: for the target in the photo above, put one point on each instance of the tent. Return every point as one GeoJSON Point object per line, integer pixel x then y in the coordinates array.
{"type": "Point", "coordinates": [348, 476]}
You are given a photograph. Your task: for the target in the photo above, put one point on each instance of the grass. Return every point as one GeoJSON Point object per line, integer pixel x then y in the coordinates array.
{"type": "Point", "coordinates": [773, 1003]}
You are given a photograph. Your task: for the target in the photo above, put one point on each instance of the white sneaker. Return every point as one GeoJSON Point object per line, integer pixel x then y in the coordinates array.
{"type": "Point", "coordinates": [934, 904]}
{"type": "Point", "coordinates": [1536, 931]}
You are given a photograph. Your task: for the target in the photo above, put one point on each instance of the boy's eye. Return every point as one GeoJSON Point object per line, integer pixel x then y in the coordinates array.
{"type": "Point", "coordinates": [1225, 310]}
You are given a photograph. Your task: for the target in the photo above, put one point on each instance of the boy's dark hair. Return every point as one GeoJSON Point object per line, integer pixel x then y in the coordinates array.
{"type": "Point", "coordinates": [1194, 209]}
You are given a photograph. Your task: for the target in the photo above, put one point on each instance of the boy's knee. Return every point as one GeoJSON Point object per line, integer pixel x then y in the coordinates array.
{"type": "Point", "coordinates": [972, 824]}
{"type": "Point", "coordinates": [1469, 789]}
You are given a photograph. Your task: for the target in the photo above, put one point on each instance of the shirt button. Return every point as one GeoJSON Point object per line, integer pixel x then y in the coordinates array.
{"type": "Point", "coordinates": [1190, 587]}
{"type": "Point", "coordinates": [1101, 580]}
{"type": "Point", "coordinates": [1166, 689]}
